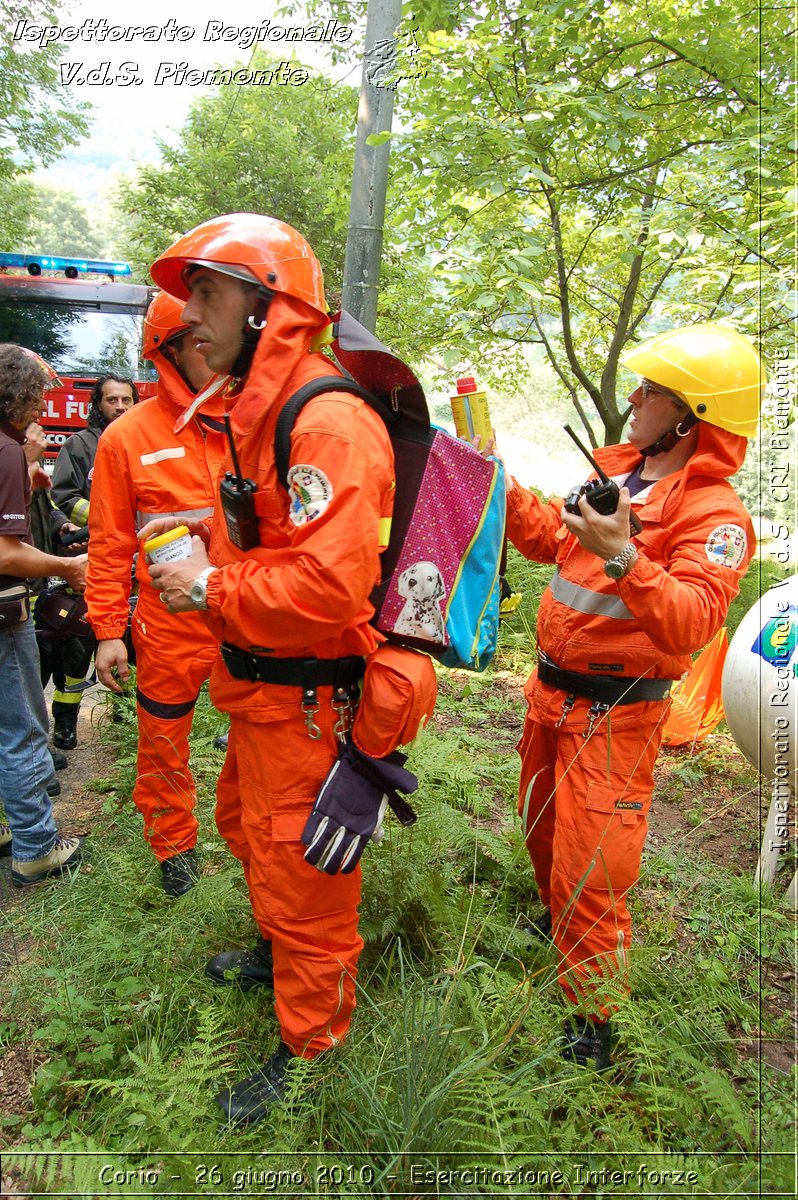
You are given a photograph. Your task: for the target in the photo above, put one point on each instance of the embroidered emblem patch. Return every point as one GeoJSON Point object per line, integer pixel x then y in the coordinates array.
{"type": "Point", "coordinates": [309, 493]}
{"type": "Point", "coordinates": [726, 546]}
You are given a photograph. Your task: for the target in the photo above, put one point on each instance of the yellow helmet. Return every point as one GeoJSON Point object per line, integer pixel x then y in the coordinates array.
{"type": "Point", "coordinates": [716, 371]}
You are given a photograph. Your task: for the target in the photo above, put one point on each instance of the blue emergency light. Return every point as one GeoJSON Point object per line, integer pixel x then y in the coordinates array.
{"type": "Point", "coordinates": [34, 264]}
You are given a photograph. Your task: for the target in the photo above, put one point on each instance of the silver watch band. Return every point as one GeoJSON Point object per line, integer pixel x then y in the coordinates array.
{"type": "Point", "coordinates": [616, 566]}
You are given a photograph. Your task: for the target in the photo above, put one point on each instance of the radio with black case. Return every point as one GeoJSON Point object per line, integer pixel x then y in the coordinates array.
{"type": "Point", "coordinates": [602, 494]}
{"type": "Point", "coordinates": [237, 497]}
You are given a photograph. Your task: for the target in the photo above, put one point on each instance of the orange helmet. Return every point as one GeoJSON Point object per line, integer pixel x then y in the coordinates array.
{"type": "Point", "coordinates": [162, 322]}
{"type": "Point", "coordinates": [248, 246]}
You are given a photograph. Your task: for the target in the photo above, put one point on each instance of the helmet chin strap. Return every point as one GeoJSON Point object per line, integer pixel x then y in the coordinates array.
{"type": "Point", "coordinates": [670, 439]}
{"type": "Point", "coordinates": [254, 326]}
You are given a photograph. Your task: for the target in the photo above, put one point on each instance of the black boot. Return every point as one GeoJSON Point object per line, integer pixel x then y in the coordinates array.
{"type": "Point", "coordinates": [53, 787]}
{"type": "Point", "coordinates": [245, 969]}
{"type": "Point", "coordinates": [180, 873]}
{"type": "Point", "coordinates": [540, 928]}
{"type": "Point", "coordinates": [60, 761]}
{"type": "Point", "coordinates": [587, 1043]}
{"type": "Point", "coordinates": [65, 725]}
{"type": "Point", "coordinates": [251, 1098]}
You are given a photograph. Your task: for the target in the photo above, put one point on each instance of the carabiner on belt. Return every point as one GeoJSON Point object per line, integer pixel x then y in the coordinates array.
{"type": "Point", "coordinates": [342, 703]}
{"type": "Point", "coordinates": [310, 706]}
{"type": "Point", "coordinates": [596, 711]}
{"type": "Point", "coordinates": [567, 705]}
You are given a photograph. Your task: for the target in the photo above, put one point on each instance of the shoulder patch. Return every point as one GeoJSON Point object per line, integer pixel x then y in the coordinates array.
{"type": "Point", "coordinates": [309, 493]}
{"type": "Point", "coordinates": [727, 546]}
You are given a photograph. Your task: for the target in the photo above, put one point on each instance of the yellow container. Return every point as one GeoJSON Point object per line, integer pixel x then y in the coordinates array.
{"type": "Point", "coordinates": [172, 546]}
{"type": "Point", "coordinates": [471, 413]}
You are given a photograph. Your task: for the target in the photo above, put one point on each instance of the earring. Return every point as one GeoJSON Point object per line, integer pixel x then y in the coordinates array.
{"type": "Point", "coordinates": [256, 325]}
{"type": "Point", "coordinates": [683, 432]}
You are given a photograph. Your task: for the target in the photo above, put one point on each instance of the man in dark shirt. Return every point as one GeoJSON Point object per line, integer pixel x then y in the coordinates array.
{"type": "Point", "coordinates": [111, 398]}
{"type": "Point", "coordinates": [25, 763]}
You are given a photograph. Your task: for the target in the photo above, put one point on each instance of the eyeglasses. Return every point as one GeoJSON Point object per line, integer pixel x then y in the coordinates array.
{"type": "Point", "coordinates": [647, 387]}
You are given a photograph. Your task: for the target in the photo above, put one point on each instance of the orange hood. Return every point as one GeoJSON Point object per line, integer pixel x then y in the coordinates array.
{"type": "Point", "coordinates": [283, 345]}
{"type": "Point", "coordinates": [177, 393]}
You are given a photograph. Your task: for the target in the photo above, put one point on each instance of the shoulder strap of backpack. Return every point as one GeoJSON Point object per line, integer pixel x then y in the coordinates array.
{"type": "Point", "coordinates": [294, 405]}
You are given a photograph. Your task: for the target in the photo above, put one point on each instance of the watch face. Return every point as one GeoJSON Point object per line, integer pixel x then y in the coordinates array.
{"type": "Point", "coordinates": [198, 592]}
{"type": "Point", "coordinates": [615, 570]}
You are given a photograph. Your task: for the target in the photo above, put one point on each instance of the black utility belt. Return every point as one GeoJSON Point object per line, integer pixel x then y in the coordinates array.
{"type": "Point", "coordinates": [616, 689]}
{"type": "Point", "coordinates": [305, 673]}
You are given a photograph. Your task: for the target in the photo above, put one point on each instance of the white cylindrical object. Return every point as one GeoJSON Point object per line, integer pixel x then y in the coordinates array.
{"type": "Point", "coordinates": [760, 698]}
{"type": "Point", "coordinates": [172, 546]}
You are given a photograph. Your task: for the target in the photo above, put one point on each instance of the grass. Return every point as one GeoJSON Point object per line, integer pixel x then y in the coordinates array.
{"type": "Point", "coordinates": [452, 1064]}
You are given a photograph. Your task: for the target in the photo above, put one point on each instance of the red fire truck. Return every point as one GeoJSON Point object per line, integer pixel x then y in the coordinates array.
{"type": "Point", "coordinates": [83, 320]}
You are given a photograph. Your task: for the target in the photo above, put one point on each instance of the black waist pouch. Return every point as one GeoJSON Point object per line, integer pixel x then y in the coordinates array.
{"type": "Point", "coordinates": [14, 604]}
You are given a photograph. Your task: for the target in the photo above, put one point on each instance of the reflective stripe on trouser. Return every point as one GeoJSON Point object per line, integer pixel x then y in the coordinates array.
{"type": "Point", "coordinates": [264, 795]}
{"type": "Point", "coordinates": [583, 803]}
{"type": "Point", "coordinates": [169, 675]}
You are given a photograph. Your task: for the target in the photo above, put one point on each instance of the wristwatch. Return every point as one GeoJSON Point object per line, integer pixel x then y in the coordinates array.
{"type": "Point", "coordinates": [198, 595]}
{"type": "Point", "coordinates": [618, 566]}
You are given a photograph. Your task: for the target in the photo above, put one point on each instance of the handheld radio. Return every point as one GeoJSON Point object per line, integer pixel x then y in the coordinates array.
{"type": "Point", "coordinates": [238, 503]}
{"type": "Point", "coordinates": [601, 494]}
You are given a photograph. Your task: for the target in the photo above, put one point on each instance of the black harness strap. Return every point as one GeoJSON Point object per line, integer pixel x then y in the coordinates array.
{"type": "Point", "coordinates": [294, 405]}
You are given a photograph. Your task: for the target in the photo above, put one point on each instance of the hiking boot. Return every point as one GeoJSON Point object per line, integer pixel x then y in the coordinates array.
{"type": "Point", "coordinates": [244, 969]}
{"type": "Point", "coordinates": [5, 840]}
{"type": "Point", "coordinates": [251, 1098]}
{"type": "Point", "coordinates": [587, 1043]}
{"type": "Point", "coordinates": [60, 761]}
{"type": "Point", "coordinates": [220, 742]}
{"type": "Point", "coordinates": [64, 854]}
{"type": "Point", "coordinates": [54, 787]}
{"type": "Point", "coordinates": [65, 726]}
{"type": "Point", "coordinates": [180, 873]}
{"type": "Point", "coordinates": [540, 927]}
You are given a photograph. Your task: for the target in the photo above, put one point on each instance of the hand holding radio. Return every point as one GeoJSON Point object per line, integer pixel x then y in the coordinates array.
{"type": "Point", "coordinates": [603, 534]}
{"type": "Point", "coordinates": [602, 494]}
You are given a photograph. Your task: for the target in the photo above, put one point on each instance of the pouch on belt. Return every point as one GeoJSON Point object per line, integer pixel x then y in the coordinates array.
{"type": "Point", "coordinates": [399, 693]}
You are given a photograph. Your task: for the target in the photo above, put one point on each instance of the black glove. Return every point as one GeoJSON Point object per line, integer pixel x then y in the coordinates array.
{"type": "Point", "coordinates": [350, 806]}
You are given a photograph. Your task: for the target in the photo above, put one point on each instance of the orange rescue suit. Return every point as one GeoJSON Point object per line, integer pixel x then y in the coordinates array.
{"type": "Point", "coordinates": [302, 592]}
{"type": "Point", "coordinates": [143, 470]}
{"type": "Point", "coordinates": [587, 777]}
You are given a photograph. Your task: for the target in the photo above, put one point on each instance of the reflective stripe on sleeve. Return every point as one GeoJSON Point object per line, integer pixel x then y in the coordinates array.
{"type": "Point", "coordinates": [156, 456]}
{"type": "Point", "coordinates": [80, 513]}
{"type": "Point", "coordinates": [582, 600]}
